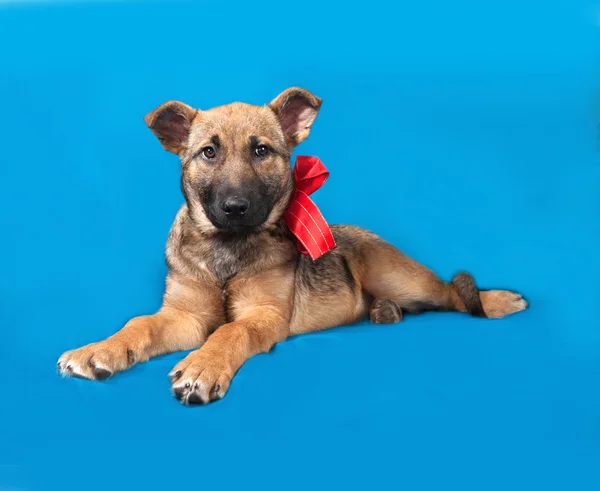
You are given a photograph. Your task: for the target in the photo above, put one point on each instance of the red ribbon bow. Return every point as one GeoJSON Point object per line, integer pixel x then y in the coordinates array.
{"type": "Point", "coordinates": [303, 218]}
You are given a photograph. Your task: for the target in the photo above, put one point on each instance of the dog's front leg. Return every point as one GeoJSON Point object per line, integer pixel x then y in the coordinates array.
{"type": "Point", "coordinates": [261, 307]}
{"type": "Point", "coordinates": [190, 311]}
{"type": "Point", "coordinates": [205, 374]}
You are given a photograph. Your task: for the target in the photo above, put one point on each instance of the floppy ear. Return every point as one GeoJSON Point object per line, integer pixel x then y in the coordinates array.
{"type": "Point", "coordinates": [296, 109]}
{"type": "Point", "coordinates": [171, 123]}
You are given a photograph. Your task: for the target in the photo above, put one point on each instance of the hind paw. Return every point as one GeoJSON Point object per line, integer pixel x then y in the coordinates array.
{"type": "Point", "coordinates": [500, 303]}
{"type": "Point", "coordinates": [384, 311]}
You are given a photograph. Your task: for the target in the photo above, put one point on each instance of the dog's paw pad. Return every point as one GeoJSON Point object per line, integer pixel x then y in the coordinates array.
{"type": "Point", "coordinates": [194, 398]}
{"type": "Point", "coordinates": [101, 373]}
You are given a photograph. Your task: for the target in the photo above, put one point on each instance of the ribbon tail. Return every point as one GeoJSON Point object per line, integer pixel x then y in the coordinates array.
{"type": "Point", "coordinates": [307, 224]}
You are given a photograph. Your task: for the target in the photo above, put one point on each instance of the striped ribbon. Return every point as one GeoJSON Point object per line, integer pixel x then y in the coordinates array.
{"type": "Point", "coordinates": [303, 218]}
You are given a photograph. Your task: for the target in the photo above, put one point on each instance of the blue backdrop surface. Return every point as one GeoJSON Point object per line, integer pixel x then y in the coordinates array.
{"type": "Point", "coordinates": [460, 131]}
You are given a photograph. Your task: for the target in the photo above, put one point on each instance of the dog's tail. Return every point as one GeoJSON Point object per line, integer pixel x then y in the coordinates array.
{"type": "Point", "coordinates": [469, 294]}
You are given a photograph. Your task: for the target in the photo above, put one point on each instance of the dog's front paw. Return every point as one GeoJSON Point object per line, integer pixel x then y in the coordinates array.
{"type": "Point", "coordinates": [96, 361]}
{"type": "Point", "coordinates": [200, 378]}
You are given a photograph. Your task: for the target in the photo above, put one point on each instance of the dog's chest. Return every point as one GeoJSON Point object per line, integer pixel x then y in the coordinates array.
{"type": "Point", "coordinates": [230, 259]}
{"type": "Point", "coordinates": [224, 263]}
{"type": "Point", "coordinates": [225, 259]}
{"type": "Point", "coordinates": [222, 258]}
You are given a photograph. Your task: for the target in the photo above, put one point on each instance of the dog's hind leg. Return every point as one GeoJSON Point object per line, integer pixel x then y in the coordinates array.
{"type": "Point", "coordinates": [389, 274]}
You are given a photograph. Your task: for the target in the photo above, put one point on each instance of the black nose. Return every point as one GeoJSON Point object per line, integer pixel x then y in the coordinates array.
{"type": "Point", "coordinates": [235, 207]}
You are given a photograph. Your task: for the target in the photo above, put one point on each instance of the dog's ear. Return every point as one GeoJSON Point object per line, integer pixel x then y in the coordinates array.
{"type": "Point", "coordinates": [171, 123]}
{"type": "Point", "coordinates": [296, 109]}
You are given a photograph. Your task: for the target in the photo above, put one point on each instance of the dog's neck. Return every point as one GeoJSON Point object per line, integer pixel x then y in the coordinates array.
{"type": "Point", "coordinates": [225, 255]}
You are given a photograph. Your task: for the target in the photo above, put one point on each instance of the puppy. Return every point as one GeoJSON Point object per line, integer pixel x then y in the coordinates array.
{"type": "Point", "coordinates": [237, 283]}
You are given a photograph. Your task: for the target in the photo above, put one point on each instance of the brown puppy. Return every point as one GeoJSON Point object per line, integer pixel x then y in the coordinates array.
{"type": "Point", "coordinates": [237, 283]}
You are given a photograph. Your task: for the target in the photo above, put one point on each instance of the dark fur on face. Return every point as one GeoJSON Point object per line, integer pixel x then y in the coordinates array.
{"type": "Point", "coordinates": [236, 172]}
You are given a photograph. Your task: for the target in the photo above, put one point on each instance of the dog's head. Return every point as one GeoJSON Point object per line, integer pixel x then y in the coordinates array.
{"type": "Point", "coordinates": [236, 173]}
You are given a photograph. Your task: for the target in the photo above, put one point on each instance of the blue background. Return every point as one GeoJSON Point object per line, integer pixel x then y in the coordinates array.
{"type": "Point", "coordinates": [462, 131]}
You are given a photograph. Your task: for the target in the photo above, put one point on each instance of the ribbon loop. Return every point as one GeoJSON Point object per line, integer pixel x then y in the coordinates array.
{"type": "Point", "coordinates": [303, 218]}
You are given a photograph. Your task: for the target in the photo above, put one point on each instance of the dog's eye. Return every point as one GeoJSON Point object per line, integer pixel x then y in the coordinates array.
{"type": "Point", "coordinates": [208, 153]}
{"type": "Point", "coordinates": [261, 151]}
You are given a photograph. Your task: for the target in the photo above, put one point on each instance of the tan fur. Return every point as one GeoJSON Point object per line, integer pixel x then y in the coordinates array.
{"type": "Point", "coordinates": [237, 295]}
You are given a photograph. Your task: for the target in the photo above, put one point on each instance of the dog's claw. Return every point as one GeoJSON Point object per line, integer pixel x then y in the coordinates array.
{"type": "Point", "coordinates": [174, 376]}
